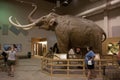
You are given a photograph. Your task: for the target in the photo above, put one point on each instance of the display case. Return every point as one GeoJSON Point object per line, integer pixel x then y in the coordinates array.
{"type": "Point", "coordinates": [110, 46]}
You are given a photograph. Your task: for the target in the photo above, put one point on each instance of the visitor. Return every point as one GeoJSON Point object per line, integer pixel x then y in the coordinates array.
{"type": "Point", "coordinates": [51, 50]}
{"type": "Point", "coordinates": [4, 54]}
{"type": "Point", "coordinates": [55, 48]}
{"type": "Point", "coordinates": [78, 53]}
{"type": "Point", "coordinates": [89, 61]}
{"type": "Point", "coordinates": [11, 52]}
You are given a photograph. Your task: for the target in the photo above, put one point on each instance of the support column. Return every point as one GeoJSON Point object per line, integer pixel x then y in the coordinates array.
{"type": "Point", "coordinates": [106, 23]}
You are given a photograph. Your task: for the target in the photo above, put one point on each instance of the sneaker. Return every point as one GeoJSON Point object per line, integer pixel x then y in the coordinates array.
{"type": "Point", "coordinates": [11, 75]}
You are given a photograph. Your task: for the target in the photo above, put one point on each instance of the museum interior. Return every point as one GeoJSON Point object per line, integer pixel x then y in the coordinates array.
{"type": "Point", "coordinates": [47, 34]}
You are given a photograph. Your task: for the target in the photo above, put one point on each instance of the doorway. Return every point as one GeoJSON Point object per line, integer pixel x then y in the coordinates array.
{"type": "Point", "coordinates": [39, 46]}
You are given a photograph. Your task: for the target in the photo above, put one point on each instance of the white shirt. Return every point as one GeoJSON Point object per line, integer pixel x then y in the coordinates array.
{"type": "Point", "coordinates": [11, 55]}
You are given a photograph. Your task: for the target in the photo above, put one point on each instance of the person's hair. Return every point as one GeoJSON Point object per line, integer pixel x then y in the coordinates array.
{"type": "Point", "coordinates": [90, 48]}
{"type": "Point", "coordinates": [14, 46]}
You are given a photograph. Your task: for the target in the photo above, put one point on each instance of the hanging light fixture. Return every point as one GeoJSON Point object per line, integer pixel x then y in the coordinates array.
{"type": "Point", "coordinates": [65, 3]}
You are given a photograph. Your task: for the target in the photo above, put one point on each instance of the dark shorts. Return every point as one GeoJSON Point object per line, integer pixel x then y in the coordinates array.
{"type": "Point", "coordinates": [90, 66]}
{"type": "Point", "coordinates": [11, 62]}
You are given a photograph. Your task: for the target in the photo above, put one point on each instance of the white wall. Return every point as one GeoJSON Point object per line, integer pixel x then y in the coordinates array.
{"type": "Point", "coordinates": [114, 22]}
{"type": "Point", "coordinates": [25, 40]}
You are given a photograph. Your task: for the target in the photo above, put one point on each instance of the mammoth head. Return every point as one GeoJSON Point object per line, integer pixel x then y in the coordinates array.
{"type": "Point", "coordinates": [47, 22]}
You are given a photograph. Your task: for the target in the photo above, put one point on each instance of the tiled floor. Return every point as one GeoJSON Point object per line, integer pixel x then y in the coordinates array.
{"type": "Point", "coordinates": [29, 69]}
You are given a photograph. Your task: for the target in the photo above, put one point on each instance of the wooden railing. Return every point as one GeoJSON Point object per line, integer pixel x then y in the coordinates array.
{"type": "Point", "coordinates": [72, 67]}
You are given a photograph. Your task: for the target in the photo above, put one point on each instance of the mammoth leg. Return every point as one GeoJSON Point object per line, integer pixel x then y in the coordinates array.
{"type": "Point", "coordinates": [63, 47]}
{"type": "Point", "coordinates": [63, 42]}
{"type": "Point", "coordinates": [96, 43]}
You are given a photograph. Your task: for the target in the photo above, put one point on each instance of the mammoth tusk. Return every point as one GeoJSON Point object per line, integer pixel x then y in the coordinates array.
{"type": "Point", "coordinates": [17, 22]}
{"type": "Point", "coordinates": [19, 25]}
{"type": "Point", "coordinates": [27, 28]}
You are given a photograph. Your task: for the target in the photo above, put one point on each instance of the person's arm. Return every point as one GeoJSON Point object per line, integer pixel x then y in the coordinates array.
{"type": "Point", "coordinates": [93, 55]}
{"type": "Point", "coordinates": [6, 52]}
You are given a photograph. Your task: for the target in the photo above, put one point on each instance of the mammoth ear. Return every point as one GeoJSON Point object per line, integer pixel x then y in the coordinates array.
{"type": "Point", "coordinates": [52, 22]}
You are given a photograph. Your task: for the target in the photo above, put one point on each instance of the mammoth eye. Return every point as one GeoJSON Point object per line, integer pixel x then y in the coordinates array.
{"type": "Point", "coordinates": [43, 17]}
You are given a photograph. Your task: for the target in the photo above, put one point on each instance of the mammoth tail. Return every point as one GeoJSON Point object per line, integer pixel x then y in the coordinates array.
{"type": "Point", "coordinates": [104, 36]}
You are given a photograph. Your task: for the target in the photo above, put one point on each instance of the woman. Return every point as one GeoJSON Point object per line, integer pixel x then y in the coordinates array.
{"type": "Point", "coordinates": [89, 61]}
{"type": "Point", "coordinates": [11, 60]}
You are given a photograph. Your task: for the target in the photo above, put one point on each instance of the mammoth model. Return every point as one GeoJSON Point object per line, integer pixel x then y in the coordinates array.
{"type": "Point", "coordinates": [70, 31]}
